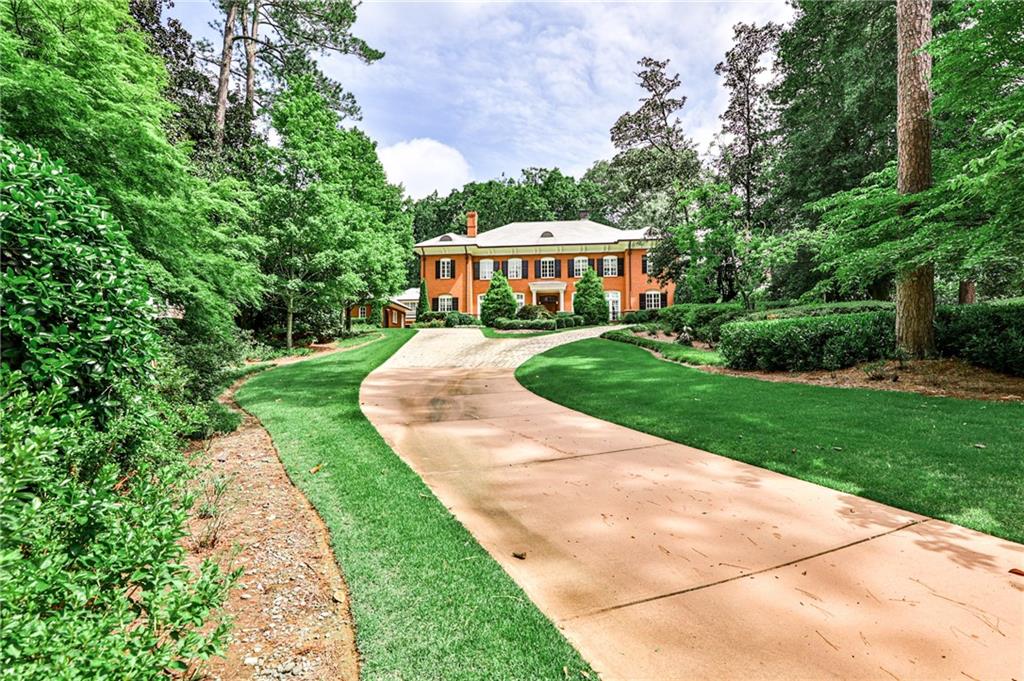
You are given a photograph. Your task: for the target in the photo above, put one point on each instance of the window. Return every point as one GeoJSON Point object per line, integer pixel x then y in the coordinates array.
{"type": "Point", "coordinates": [361, 312]}
{"type": "Point", "coordinates": [520, 300]}
{"type": "Point", "coordinates": [645, 263]}
{"type": "Point", "coordinates": [515, 268]}
{"type": "Point", "coordinates": [444, 269]}
{"type": "Point", "coordinates": [480, 302]}
{"type": "Point", "coordinates": [614, 304]}
{"type": "Point", "coordinates": [611, 266]}
{"type": "Point", "coordinates": [486, 269]}
{"type": "Point", "coordinates": [579, 266]}
{"type": "Point", "coordinates": [652, 300]}
{"type": "Point", "coordinates": [444, 303]}
{"type": "Point", "coordinates": [546, 235]}
{"type": "Point", "coordinates": [547, 268]}
{"type": "Point", "coordinates": [446, 237]}
{"type": "Point", "coordinates": [394, 318]}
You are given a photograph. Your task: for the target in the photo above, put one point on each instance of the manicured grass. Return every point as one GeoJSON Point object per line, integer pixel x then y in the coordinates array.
{"type": "Point", "coordinates": [918, 453]}
{"type": "Point", "coordinates": [428, 602]}
{"type": "Point", "coordinates": [495, 333]}
{"type": "Point", "coordinates": [673, 352]}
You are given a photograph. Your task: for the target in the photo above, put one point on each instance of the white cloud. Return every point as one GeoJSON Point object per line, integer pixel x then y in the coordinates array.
{"type": "Point", "coordinates": [423, 165]}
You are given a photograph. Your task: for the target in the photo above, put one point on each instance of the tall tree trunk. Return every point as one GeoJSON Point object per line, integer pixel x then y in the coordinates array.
{"type": "Point", "coordinates": [224, 79]}
{"type": "Point", "coordinates": [251, 28]}
{"type": "Point", "coordinates": [915, 289]}
{"type": "Point", "coordinates": [968, 293]}
{"type": "Point", "coordinates": [291, 317]}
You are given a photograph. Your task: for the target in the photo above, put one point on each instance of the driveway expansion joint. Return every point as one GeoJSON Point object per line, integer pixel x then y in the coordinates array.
{"type": "Point", "coordinates": [753, 573]}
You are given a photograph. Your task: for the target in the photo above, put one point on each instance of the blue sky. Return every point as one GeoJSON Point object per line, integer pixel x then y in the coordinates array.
{"type": "Point", "coordinates": [471, 90]}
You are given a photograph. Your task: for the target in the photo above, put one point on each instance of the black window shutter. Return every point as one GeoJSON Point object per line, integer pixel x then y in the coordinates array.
{"type": "Point", "coordinates": [476, 271]}
{"type": "Point", "coordinates": [600, 267]}
{"type": "Point", "coordinates": [437, 270]}
{"type": "Point", "coordinates": [643, 263]}
{"type": "Point", "coordinates": [590, 263]}
{"type": "Point", "coordinates": [455, 304]}
{"type": "Point", "coordinates": [453, 268]}
{"type": "Point", "coordinates": [433, 305]}
{"type": "Point", "coordinates": [504, 268]}
{"type": "Point", "coordinates": [536, 268]}
{"type": "Point", "coordinates": [558, 269]}
{"type": "Point", "coordinates": [622, 267]}
{"type": "Point", "coordinates": [664, 300]}
{"type": "Point", "coordinates": [643, 301]}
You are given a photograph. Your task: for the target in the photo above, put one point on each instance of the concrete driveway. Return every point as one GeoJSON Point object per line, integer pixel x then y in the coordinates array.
{"type": "Point", "coordinates": [660, 561]}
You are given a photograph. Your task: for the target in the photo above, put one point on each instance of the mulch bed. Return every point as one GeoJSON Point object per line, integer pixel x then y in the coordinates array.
{"type": "Point", "coordinates": [936, 377]}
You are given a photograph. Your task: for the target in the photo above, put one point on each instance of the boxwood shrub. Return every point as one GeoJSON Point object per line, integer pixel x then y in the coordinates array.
{"type": "Point", "coordinates": [454, 319]}
{"type": "Point", "coordinates": [641, 316]}
{"type": "Point", "coordinates": [519, 324]}
{"type": "Point", "coordinates": [703, 319]}
{"type": "Point", "coordinates": [579, 320]}
{"type": "Point", "coordinates": [818, 310]}
{"type": "Point", "coordinates": [808, 343]}
{"type": "Point", "coordinates": [989, 335]}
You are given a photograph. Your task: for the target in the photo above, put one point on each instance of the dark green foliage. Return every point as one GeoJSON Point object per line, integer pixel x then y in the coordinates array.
{"type": "Point", "coordinates": [394, 537]}
{"type": "Point", "coordinates": [907, 450]}
{"type": "Point", "coordinates": [989, 335]}
{"type": "Point", "coordinates": [809, 343]}
{"type": "Point", "coordinates": [533, 312]}
{"type": "Point", "coordinates": [499, 301]}
{"type": "Point", "coordinates": [703, 320]}
{"type": "Point", "coordinates": [538, 324]}
{"type": "Point", "coordinates": [642, 316]}
{"type": "Point", "coordinates": [590, 302]}
{"type": "Point", "coordinates": [423, 305]}
{"type": "Point", "coordinates": [376, 315]}
{"type": "Point", "coordinates": [77, 312]}
{"type": "Point", "coordinates": [431, 316]}
{"type": "Point", "coordinates": [817, 310]}
{"type": "Point", "coordinates": [579, 320]}
{"type": "Point", "coordinates": [670, 351]}
{"type": "Point", "coordinates": [453, 319]}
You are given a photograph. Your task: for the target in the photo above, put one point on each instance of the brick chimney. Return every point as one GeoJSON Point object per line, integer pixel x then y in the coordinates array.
{"type": "Point", "coordinates": [471, 224]}
{"type": "Point", "coordinates": [584, 215]}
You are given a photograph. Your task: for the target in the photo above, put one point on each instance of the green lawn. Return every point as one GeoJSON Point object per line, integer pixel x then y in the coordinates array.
{"type": "Point", "coordinates": [673, 352]}
{"type": "Point", "coordinates": [428, 602]}
{"type": "Point", "coordinates": [959, 460]}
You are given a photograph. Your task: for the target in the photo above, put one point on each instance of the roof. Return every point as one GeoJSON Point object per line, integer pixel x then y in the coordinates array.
{"type": "Point", "coordinates": [550, 233]}
{"type": "Point", "coordinates": [409, 294]}
{"type": "Point", "coordinates": [394, 301]}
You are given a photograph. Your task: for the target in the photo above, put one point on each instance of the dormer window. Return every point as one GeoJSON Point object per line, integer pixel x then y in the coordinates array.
{"type": "Point", "coordinates": [446, 237]}
{"type": "Point", "coordinates": [546, 235]}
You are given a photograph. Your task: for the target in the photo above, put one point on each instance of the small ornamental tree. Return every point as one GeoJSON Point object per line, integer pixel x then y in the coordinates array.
{"type": "Point", "coordinates": [377, 314]}
{"type": "Point", "coordinates": [499, 301]}
{"type": "Point", "coordinates": [423, 305]}
{"type": "Point", "coordinates": [590, 301]}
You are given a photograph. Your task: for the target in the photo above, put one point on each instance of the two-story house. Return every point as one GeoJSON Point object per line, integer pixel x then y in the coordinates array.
{"type": "Point", "coordinates": [542, 261]}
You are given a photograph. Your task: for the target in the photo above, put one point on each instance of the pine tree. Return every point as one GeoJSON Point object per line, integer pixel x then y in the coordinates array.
{"type": "Point", "coordinates": [423, 306]}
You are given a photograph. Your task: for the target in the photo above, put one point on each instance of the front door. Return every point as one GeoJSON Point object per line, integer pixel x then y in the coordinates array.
{"type": "Point", "coordinates": [549, 301]}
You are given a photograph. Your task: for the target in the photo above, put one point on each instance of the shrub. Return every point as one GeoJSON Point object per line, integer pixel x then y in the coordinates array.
{"type": "Point", "coordinates": [704, 320]}
{"type": "Point", "coordinates": [431, 317]}
{"type": "Point", "coordinates": [670, 351]}
{"type": "Point", "coordinates": [818, 309]}
{"type": "Point", "coordinates": [77, 311]}
{"type": "Point", "coordinates": [579, 320]}
{"type": "Point", "coordinates": [642, 316]}
{"type": "Point", "coordinates": [423, 304]}
{"type": "Point", "coordinates": [519, 324]}
{"type": "Point", "coordinates": [590, 302]}
{"type": "Point", "coordinates": [459, 319]}
{"type": "Point", "coordinates": [533, 312]}
{"type": "Point", "coordinates": [808, 343]}
{"type": "Point", "coordinates": [431, 324]}
{"type": "Point", "coordinates": [499, 301]}
{"type": "Point", "coordinates": [989, 335]}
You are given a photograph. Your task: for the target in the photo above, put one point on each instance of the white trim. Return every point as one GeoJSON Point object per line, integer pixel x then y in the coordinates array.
{"type": "Point", "coordinates": [577, 270]}
{"type": "Point", "coordinates": [485, 276]}
{"type": "Point", "coordinates": [614, 260]}
{"type": "Point", "coordinates": [614, 312]}
{"type": "Point", "coordinates": [520, 300]}
{"type": "Point", "coordinates": [443, 299]}
{"type": "Point", "coordinates": [450, 266]}
{"type": "Point", "coordinates": [647, 300]}
{"type": "Point", "coordinates": [519, 269]}
{"type": "Point", "coordinates": [479, 302]}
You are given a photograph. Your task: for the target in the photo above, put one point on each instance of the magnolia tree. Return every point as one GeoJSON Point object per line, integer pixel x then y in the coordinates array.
{"type": "Point", "coordinates": [590, 301]}
{"type": "Point", "coordinates": [499, 301]}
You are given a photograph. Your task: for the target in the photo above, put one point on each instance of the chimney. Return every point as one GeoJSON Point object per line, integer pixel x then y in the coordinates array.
{"type": "Point", "coordinates": [471, 224]}
{"type": "Point", "coordinates": [584, 215]}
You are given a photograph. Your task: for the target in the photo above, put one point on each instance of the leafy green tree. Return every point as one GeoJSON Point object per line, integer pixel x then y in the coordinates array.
{"type": "Point", "coordinates": [499, 301]}
{"type": "Point", "coordinates": [334, 229]}
{"type": "Point", "coordinates": [590, 301]}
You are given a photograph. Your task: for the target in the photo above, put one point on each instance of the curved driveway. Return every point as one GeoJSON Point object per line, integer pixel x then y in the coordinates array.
{"type": "Point", "coordinates": [660, 561]}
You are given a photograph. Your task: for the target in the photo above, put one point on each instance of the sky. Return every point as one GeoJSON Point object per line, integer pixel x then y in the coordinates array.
{"type": "Point", "coordinates": [473, 90]}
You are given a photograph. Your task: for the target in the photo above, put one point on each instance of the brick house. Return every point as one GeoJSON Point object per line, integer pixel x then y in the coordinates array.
{"type": "Point", "coordinates": [395, 314]}
{"type": "Point", "coordinates": [542, 261]}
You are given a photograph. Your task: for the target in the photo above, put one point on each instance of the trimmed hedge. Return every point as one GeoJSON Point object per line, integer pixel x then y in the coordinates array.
{"type": "Point", "coordinates": [703, 319]}
{"type": "Point", "coordinates": [641, 316]}
{"type": "Point", "coordinates": [673, 352]}
{"type": "Point", "coordinates": [504, 323]}
{"type": "Point", "coordinates": [460, 319]}
{"type": "Point", "coordinates": [809, 343]}
{"type": "Point", "coordinates": [989, 335]}
{"type": "Point", "coordinates": [818, 310]}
